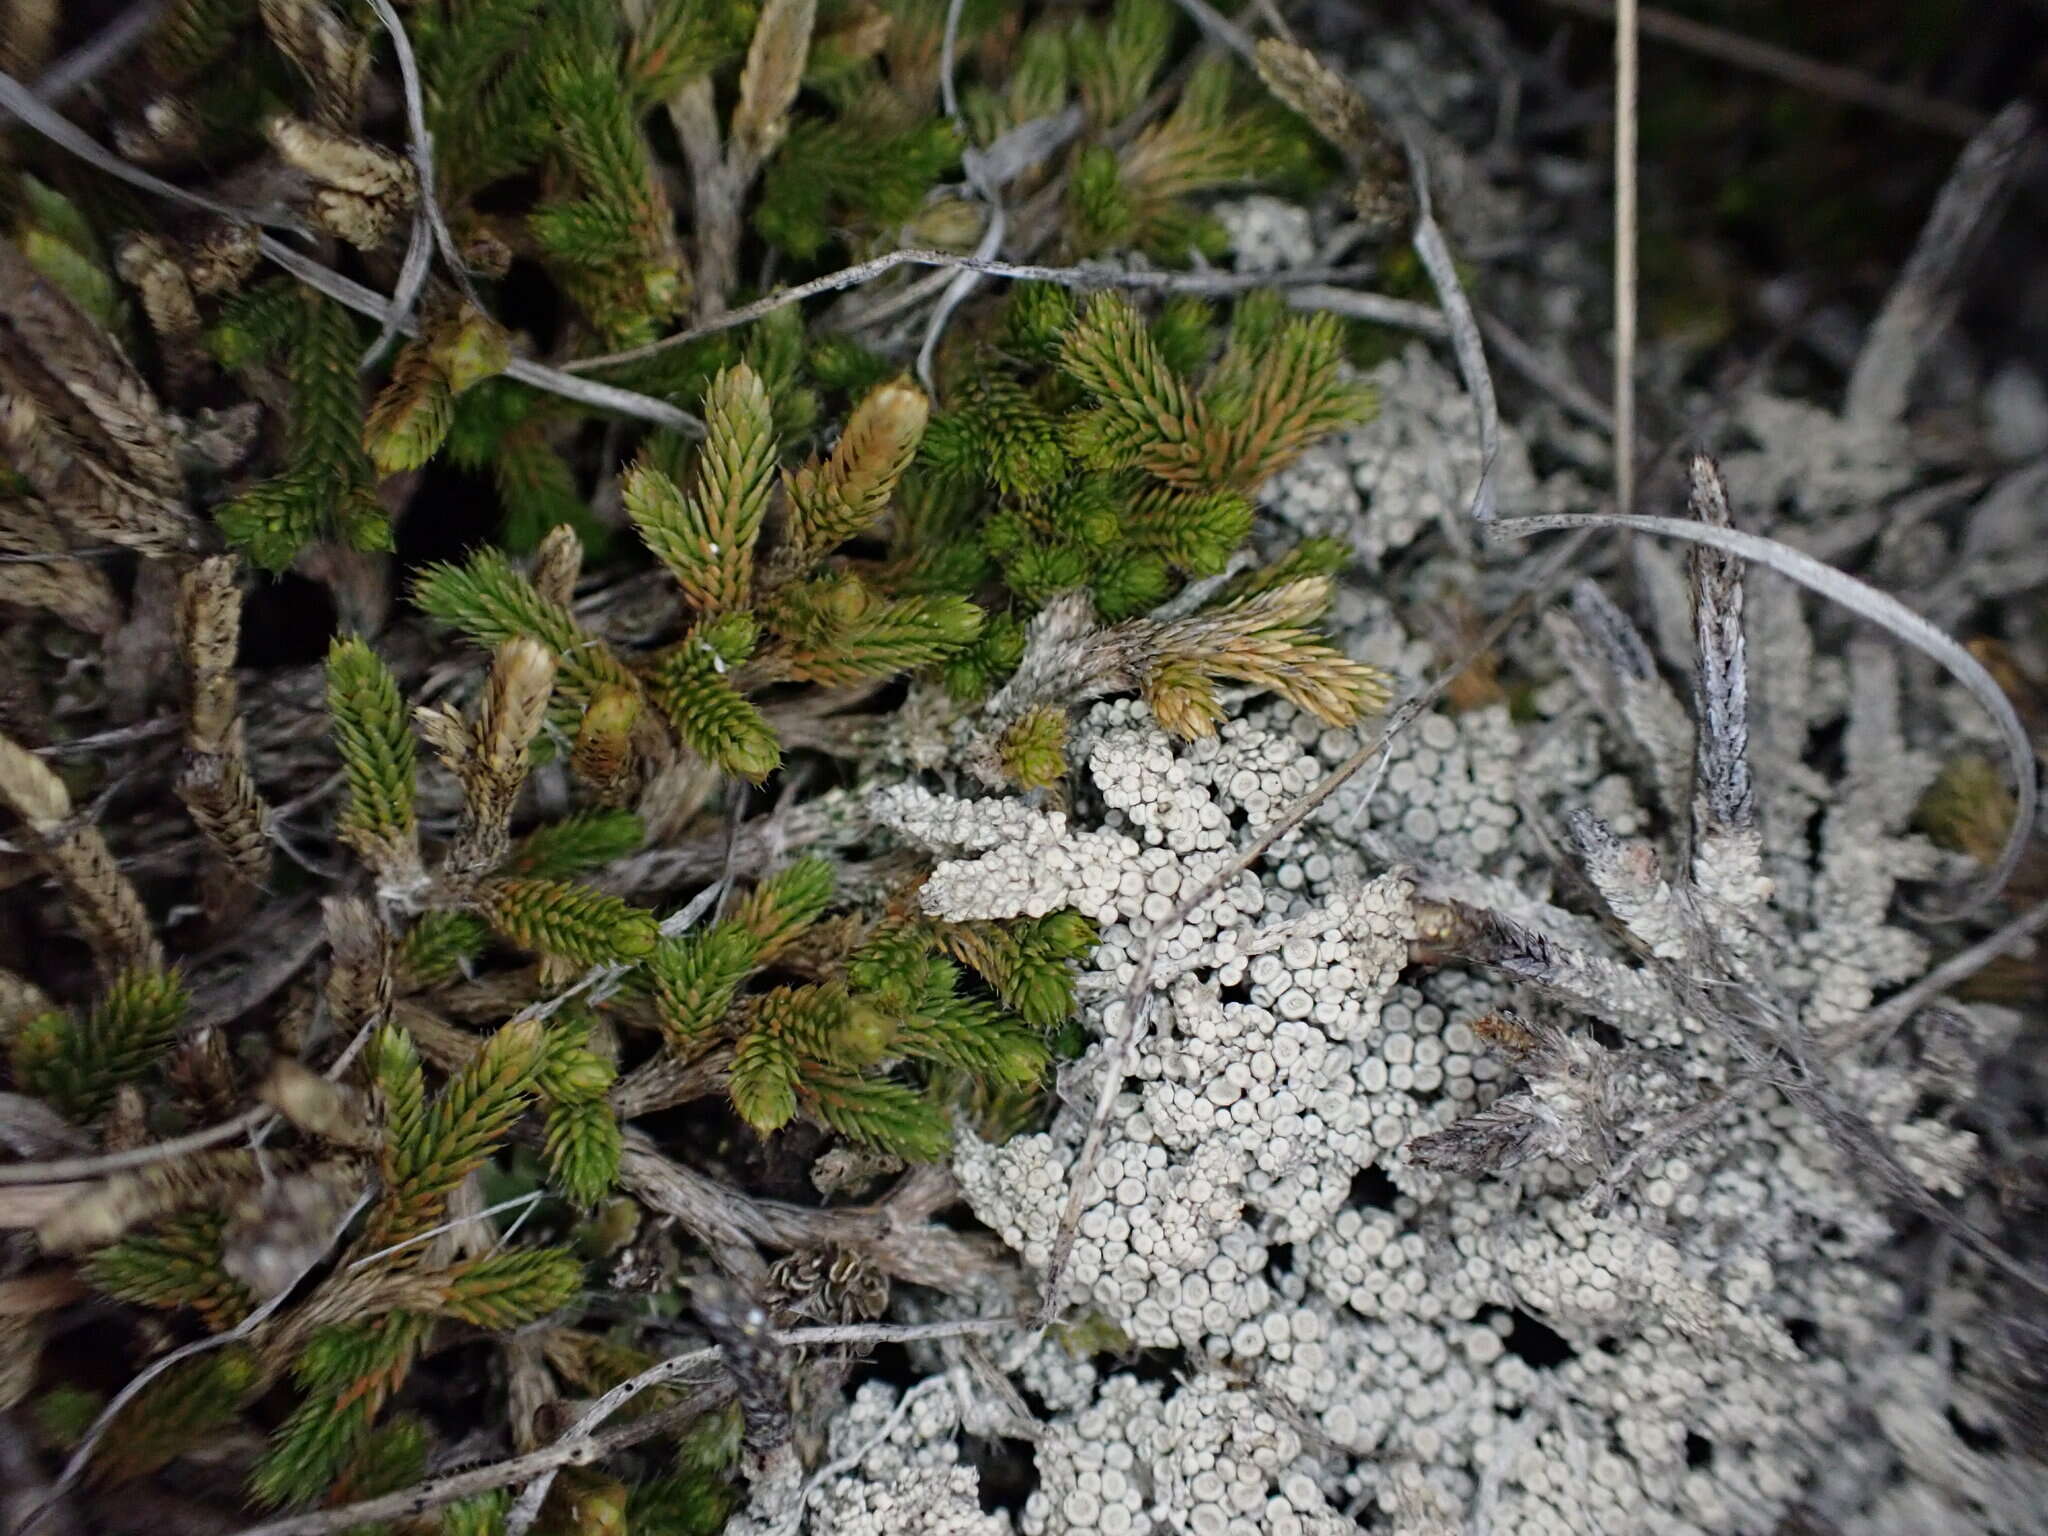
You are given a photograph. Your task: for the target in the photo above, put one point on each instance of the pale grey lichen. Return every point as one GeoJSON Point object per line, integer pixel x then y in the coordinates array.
{"type": "Point", "coordinates": [1206, 1457]}
{"type": "Point", "coordinates": [1413, 467]}
{"type": "Point", "coordinates": [1418, 1340]}
{"type": "Point", "coordinates": [899, 1470]}
{"type": "Point", "coordinates": [1267, 234]}
{"type": "Point", "coordinates": [1809, 463]}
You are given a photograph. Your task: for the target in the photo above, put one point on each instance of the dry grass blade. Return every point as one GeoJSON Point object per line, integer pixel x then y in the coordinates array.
{"type": "Point", "coordinates": [963, 284]}
{"type": "Point", "coordinates": [603, 397]}
{"type": "Point", "coordinates": [1435, 255]}
{"type": "Point", "coordinates": [1626, 105]}
{"type": "Point", "coordinates": [1881, 609]}
{"type": "Point", "coordinates": [427, 219]}
{"type": "Point", "coordinates": [1086, 278]}
{"type": "Point", "coordinates": [67, 1170]}
{"type": "Point", "coordinates": [16, 99]}
{"type": "Point", "coordinates": [1896, 1010]}
{"type": "Point", "coordinates": [1377, 308]}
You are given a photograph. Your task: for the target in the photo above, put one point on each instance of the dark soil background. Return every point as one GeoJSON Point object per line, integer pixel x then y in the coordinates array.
{"type": "Point", "coordinates": [1766, 204]}
{"type": "Point", "coordinates": [1777, 179]}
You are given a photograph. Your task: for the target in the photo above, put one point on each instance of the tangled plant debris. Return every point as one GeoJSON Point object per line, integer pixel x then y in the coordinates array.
{"type": "Point", "coordinates": [798, 766]}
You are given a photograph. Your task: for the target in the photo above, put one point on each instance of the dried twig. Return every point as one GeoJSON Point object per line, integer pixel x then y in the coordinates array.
{"type": "Point", "coordinates": [1086, 276]}
{"type": "Point", "coordinates": [985, 187]}
{"type": "Point", "coordinates": [1435, 256]}
{"type": "Point", "coordinates": [1924, 299]}
{"type": "Point", "coordinates": [898, 1237]}
{"type": "Point", "coordinates": [1626, 107]}
{"type": "Point", "coordinates": [101, 52]}
{"type": "Point", "coordinates": [525, 1510]}
{"type": "Point", "coordinates": [518, 1202]}
{"type": "Point", "coordinates": [1531, 365]}
{"type": "Point", "coordinates": [722, 173]}
{"type": "Point", "coordinates": [64, 1170]}
{"type": "Point", "coordinates": [1376, 308]}
{"type": "Point", "coordinates": [437, 1492]}
{"type": "Point", "coordinates": [603, 397]}
{"type": "Point", "coordinates": [792, 1519]}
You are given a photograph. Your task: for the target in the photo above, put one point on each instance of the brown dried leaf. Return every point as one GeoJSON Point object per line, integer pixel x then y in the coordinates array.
{"type": "Point", "coordinates": [360, 982]}
{"type": "Point", "coordinates": [95, 1215]}
{"type": "Point", "coordinates": [63, 584]}
{"type": "Point", "coordinates": [1382, 197]}
{"type": "Point", "coordinates": [312, 1103]}
{"type": "Point", "coordinates": [103, 901]}
{"type": "Point", "coordinates": [557, 564]}
{"type": "Point", "coordinates": [127, 428]}
{"type": "Point", "coordinates": [334, 58]}
{"type": "Point", "coordinates": [768, 85]}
